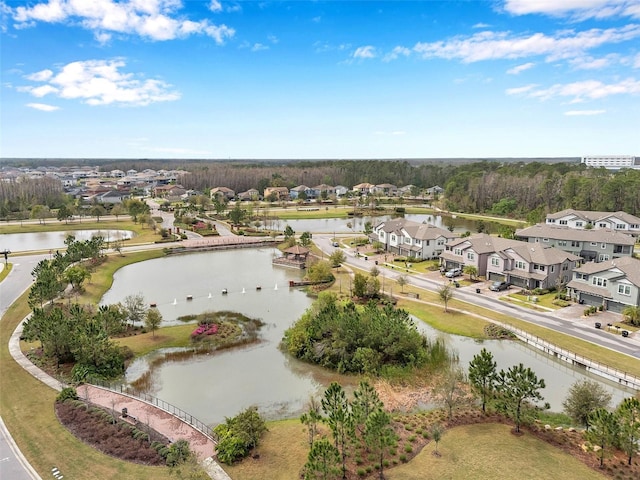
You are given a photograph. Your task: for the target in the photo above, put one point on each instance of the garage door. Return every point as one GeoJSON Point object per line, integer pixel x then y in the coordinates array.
{"type": "Point", "coordinates": [616, 307]}
{"type": "Point", "coordinates": [497, 277]}
{"type": "Point", "coordinates": [591, 299]}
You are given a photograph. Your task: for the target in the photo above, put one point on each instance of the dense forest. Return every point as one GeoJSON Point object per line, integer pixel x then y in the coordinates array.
{"type": "Point", "coordinates": [516, 189]}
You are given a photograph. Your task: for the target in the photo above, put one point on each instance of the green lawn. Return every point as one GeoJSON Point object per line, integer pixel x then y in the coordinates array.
{"type": "Point", "coordinates": [490, 451]}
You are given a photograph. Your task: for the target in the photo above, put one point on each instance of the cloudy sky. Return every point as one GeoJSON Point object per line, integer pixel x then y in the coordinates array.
{"type": "Point", "coordinates": [319, 79]}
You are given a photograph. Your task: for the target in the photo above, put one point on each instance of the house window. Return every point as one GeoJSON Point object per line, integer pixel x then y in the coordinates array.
{"type": "Point", "coordinates": [458, 251]}
{"type": "Point", "coordinates": [393, 238]}
{"type": "Point", "coordinates": [599, 281]}
{"type": "Point", "coordinates": [621, 226]}
{"type": "Point", "coordinates": [565, 267]}
{"type": "Point", "coordinates": [551, 220]}
{"type": "Point", "coordinates": [603, 257]}
{"type": "Point", "coordinates": [575, 243]}
{"type": "Point", "coordinates": [495, 262]}
{"type": "Point", "coordinates": [603, 245]}
{"type": "Point", "coordinates": [552, 268]}
{"type": "Point", "coordinates": [602, 225]}
{"type": "Point", "coordinates": [441, 241]}
{"type": "Point", "coordinates": [594, 244]}
{"type": "Point", "coordinates": [545, 240]}
{"type": "Point", "coordinates": [562, 243]}
{"type": "Point", "coordinates": [563, 222]}
{"type": "Point", "coordinates": [578, 224]}
{"type": "Point", "coordinates": [470, 256]}
{"type": "Point", "coordinates": [624, 289]}
{"type": "Point", "coordinates": [538, 267]}
{"type": "Point", "coordinates": [521, 265]}
{"type": "Point", "coordinates": [407, 240]}
{"type": "Point", "coordinates": [419, 242]}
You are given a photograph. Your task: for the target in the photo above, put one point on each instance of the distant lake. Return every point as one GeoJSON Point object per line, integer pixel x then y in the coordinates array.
{"type": "Point", "coordinates": [22, 242]}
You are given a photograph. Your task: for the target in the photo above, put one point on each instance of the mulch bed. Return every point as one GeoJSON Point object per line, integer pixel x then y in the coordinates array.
{"type": "Point", "coordinates": [94, 426]}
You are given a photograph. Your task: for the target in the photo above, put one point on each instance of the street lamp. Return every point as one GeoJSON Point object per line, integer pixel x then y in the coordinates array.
{"type": "Point", "coordinates": [6, 253]}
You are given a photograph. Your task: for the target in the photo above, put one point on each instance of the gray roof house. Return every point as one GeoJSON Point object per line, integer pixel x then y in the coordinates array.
{"type": "Point", "coordinates": [614, 284]}
{"type": "Point", "coordinates": [518, 263]}
{"type": "Point", "coordinates": [597, 245]}
{"type": "Point", "coordinates": [581, 219]}
{"type": "Point", "coordinates": [412, 239]}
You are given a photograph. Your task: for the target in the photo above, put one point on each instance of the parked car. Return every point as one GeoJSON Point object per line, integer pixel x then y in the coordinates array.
{"type": "Point", "coordinates": [454, 272]}
{"type": "Point", "coordinates": [498, 286]}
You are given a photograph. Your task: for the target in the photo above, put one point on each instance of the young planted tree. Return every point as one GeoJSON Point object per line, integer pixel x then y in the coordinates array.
{"type": "Point", "coordinates": [445, 293]}
{"type": "Point", "coordinates": [603, 431]}
{"type": "Point", "coordinates": [288, 232]}
{"type": "Point", "coordinates": [483, 375]}
{"type": "Point", "coordinates": [337, 258]}
{"type": "Point", "coordinates": [628, 414]}
{"type": "Point", "coordinates": [517, 386]}
{"type": "Point", "coordinates": [436, 434]}
{"type": "Point", "coordinates": [323, 461]}
{"type": "Point", "coordinates": [98, 211]}
{"type": "Point", "coordinates": [311, 418]}
{"type": "Point", "coordinates": [365, 402]}
{"type": "Point", "coordinates": [339, 418]}
{"type": "Point", "coordinates": [305, 239]}
{"type": "Point", "coordinates": [76, 276]}
{"type": "Point", "coordinates": [379, 436]}
{"type": "Point", "coordinates": [152, 320]}
{"type": "Point", "coordinates": [450, 390]}
{"type": "Point", "coordinates": [402, 281]}
{"type": "Point", "coordinates": [583, 399]}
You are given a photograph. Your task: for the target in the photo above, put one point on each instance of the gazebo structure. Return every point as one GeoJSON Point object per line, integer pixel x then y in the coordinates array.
{"type": "Point", "coordinates": [295, 257]}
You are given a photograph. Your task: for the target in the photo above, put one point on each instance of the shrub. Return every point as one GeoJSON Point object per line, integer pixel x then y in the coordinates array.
{"type": "Point", "coordinates": [408, 448]}
{"type": "Point", "coordinates": [403, 458]}
{"type": "Point", "coordinates": [362, 472]}
{"type": "Point", "coordinates": [67, 393]}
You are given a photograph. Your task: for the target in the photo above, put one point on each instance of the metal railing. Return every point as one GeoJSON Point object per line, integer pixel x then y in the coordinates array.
{"type": "Point", "coordinates": [159, 403]}
{"type": "Point", "coordinates": [594, 367]}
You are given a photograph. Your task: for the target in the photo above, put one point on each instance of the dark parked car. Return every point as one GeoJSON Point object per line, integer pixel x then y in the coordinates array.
{"type": "Point", "coordinates": [498, 286]}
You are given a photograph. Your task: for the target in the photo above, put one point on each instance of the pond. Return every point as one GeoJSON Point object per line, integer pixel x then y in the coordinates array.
{"type": "Point", "coordinates": [21, 242]}
{"type": "Point", "coordinates": [341, 225]}
{"type": "Point", "coordinates": [212, 387]}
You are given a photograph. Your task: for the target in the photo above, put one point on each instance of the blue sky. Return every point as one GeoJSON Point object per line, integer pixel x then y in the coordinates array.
{"type": "Point", "coordinates": [315, 79]}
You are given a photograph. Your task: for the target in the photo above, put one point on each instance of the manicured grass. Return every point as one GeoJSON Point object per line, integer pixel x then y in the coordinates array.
{"type": "Point", "coordinates": [26, 406]}
{"type": "Point", "coordinates": [450, 322]}
{"type": "Point", "coordinates": [283, 452]}
{"type": "Point", "coordinates": [165, 337]}
{"type": "Point", "coordinates": [485, 451]}
{"type": "Point", "coordinates": [5, 271]}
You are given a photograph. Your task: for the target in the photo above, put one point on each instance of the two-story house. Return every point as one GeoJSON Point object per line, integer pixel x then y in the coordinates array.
{"type": "Point", "coordinates": [279, 193]}
{"type": "Point", "coordinates": [614, 284]}
{"type": "Point", "coordinates": [518, 263]}
{"type": "Point", "coordinates": [225, 193]}
{"type": "Point", "coordinates": [584, 219]}
{"type": "Point", "coordinates": [597, 245]}
{"type": "Point", "coordinates": [412, 239]}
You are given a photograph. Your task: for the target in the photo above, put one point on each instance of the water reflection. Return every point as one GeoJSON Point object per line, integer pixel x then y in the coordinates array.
{"type": "Point", "coordinates": [20, 242]}
{"type": "Point", "coordinates": [215, 386]}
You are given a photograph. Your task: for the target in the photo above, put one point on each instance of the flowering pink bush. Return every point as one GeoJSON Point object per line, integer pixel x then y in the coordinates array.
{"type": "Point", "coordinates": [205, 329]}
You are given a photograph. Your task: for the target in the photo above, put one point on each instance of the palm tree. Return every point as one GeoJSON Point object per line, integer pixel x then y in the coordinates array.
{"type": "Point", "coordinates": [632, 314]}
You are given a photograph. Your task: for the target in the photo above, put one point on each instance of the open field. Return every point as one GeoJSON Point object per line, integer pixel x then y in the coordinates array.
{"type": "Point", "coordinates": [485, 451]}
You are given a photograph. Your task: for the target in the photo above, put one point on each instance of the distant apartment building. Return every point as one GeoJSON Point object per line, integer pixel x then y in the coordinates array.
{"type": "Point", "coordinates": [597, 245]}
{"type": "Point", "coordinates": [586, 219]}
{"type": "Point", "coordinates": [611, 162]}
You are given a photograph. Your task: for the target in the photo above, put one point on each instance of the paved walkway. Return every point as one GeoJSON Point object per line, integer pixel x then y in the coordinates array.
{"type": "Point", "coordinates": [163, 422]}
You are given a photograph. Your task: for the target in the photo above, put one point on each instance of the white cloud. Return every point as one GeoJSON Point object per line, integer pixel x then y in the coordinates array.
{"type": "Point", "coordinates": [504, 45]}
{"type": "Point", "coordinates": [576, 9]}
{"type": "Point", "coordinates": [258, 47]}
{"type": "Point", "coordinates": [41, 76]}
{"type": "Point", "coordinates": [520, 68]}
{"type": "Point", "coordinates": [521, 90]}
{"type": "Point", "coordinates": [100, 82]}
{"type": "Point", "coordinates": [576, 113]}
{"type": "Point", "coordinates": [43, 107]}
{"type": "Point", "coordinates": [397, 52]}
{"type": "Point", "coordinates": [273, 39]}
{"type": "Point", "coordinates": [583, 90]}
{"type": "Point", "coordinates": [481, 25]}
{"type": "Point", "coordinates": [367, 51]}
{"type": "Point", "coordinates": [590, 63]}
{"type": "Point", "coordinates": [636, 61]}
{"type": "Point", "coordinates": [215, 6]}
{"type": "Point", "coordinates": [156, 19]}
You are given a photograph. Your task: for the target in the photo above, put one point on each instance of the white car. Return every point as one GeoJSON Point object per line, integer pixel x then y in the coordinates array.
{"type": "Point", "coordinates": [454, 272]}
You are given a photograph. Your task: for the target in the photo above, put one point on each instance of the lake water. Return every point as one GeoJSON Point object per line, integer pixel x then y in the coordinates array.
{"type": "Point", "coordinates": [341, 225]}
{"type": "Point", "coordinates": [212, 387]}
{"type": "Point", "coordinates": [21, 242]}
